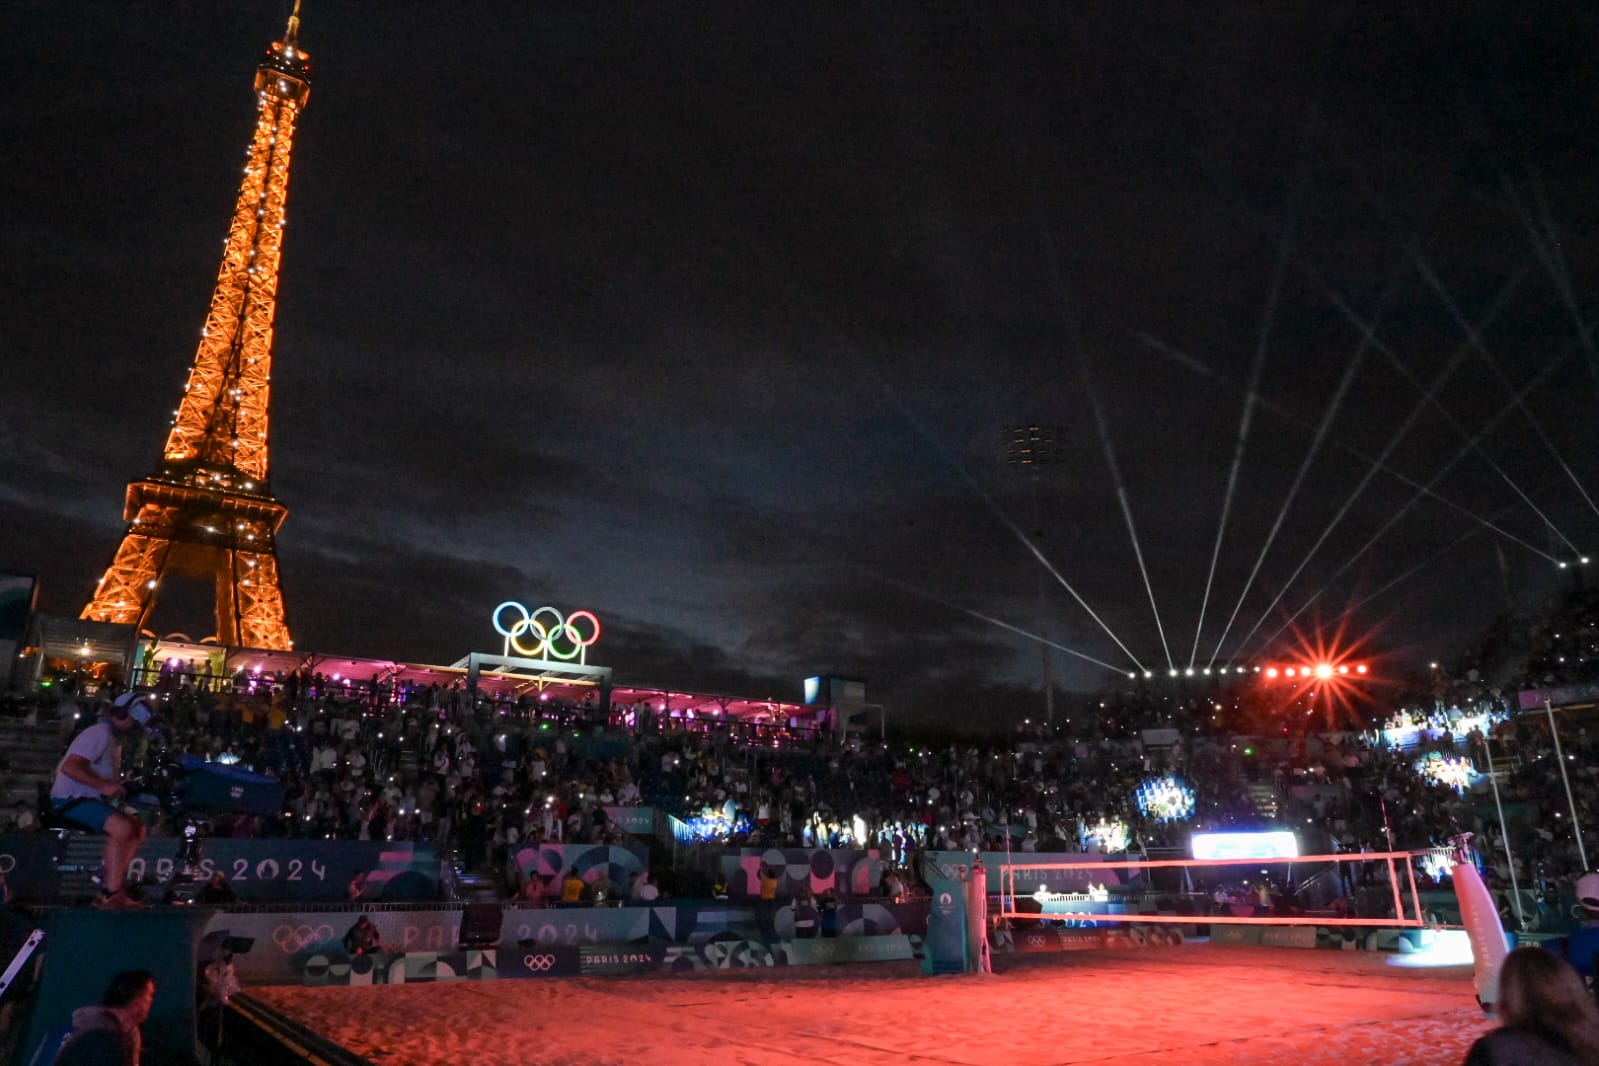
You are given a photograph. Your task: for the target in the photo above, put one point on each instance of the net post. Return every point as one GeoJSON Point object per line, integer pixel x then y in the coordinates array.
{"type": "Point", "coordinates": [1415, 896]}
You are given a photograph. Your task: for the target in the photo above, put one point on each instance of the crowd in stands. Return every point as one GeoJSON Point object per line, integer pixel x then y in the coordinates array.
{"type": "Point", "coordinates": [485, 776]}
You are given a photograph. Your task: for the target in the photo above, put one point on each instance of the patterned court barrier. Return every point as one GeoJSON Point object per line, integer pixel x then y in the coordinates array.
{"type": "Point", "coordinates": [674, 936]}
{"type": "Point", "coordinates": [550, 863]}
{"type": "Point", "coordinates": [845, 871]}
{"type": "Point", "coordinates": [412, 967]}
{"type": "Point", "coordinates": [685, 923]}
{"type": "Point", "coordinates": [285, 942]}
{"type": "Point", "coordinates": [312, 871]}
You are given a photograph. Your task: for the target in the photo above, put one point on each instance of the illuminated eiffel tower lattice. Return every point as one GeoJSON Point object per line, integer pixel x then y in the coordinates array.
{"type": "Point", "coordinates": [209, 508]}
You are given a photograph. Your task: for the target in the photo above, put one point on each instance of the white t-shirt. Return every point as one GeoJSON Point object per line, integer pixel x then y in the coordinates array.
{"type": "Point", "coordinates": [98, 746]}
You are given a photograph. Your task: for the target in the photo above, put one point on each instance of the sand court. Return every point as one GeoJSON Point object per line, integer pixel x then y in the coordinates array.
{"type": "Point", "coordinates": [1198, 1003]}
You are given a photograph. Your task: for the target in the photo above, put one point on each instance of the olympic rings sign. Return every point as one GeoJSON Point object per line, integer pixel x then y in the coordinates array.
{"type": "Point", "coordinates": [546, 631]}
{"type": "Point", "coordinates": [297, 938]}
{"type": "Point", "coordinates": [538, 963]}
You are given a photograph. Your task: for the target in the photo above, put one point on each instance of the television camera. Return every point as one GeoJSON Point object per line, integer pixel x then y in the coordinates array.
{"type": "Point", "coordinates": [190, 790]}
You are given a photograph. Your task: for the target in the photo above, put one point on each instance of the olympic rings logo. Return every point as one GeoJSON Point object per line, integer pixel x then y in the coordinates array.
{"type": "Point", "coordinates": [552, 633]}
{"type": "Point", "coordinates": [291, 938]}
{"type": "Point", "coordinates": [539, 963]}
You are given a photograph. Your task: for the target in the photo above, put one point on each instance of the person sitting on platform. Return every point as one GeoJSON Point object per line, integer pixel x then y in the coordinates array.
{"type": "Point", "coordinates": [89, 781]}
{"type": "Point", "coordinates": [217, 890]}
{"type": "Point", "coordinates": [363, 938]}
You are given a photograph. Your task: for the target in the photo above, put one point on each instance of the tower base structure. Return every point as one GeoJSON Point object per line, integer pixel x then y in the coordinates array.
{"type": "Point", "coordinates": [224, 534]}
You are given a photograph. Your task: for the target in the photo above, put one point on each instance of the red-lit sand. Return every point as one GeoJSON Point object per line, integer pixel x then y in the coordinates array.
{"type": "Point", "coordinates": [1194, 1004]}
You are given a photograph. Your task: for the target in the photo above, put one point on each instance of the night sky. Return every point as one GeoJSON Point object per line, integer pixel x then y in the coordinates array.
{"type": "Point", "coordinates": [711, 318]}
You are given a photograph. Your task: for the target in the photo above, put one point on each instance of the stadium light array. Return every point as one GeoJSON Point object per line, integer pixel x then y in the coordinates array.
{"type": "Point", "coordinates": [1318, 671]}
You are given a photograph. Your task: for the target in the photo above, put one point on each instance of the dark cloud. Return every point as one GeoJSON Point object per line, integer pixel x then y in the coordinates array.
{"type": "Point", "coordinates": [712, 319]}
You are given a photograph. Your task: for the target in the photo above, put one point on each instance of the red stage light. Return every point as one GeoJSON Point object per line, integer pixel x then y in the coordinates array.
{"type": "Point", "coordinates": [1271, 671]}
{"type": "Point", "coordinates": [1323, 670]}
{"type": "Point", "coordinates": [1360, 669]}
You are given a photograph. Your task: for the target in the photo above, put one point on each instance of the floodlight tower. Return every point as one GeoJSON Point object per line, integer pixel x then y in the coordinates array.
{"type": "Point", "coordinates": [208, 505]}
{"type": "Point", "coordinates": [1030, 448]}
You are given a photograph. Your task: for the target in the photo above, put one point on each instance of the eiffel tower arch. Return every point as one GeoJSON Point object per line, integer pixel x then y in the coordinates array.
{"type": "Point", "coordinates": [208, 507]}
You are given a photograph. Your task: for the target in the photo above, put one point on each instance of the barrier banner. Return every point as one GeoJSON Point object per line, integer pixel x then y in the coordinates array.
{"type": "Point", "coordinates": [620, 960]}
{"type": "Point", "coordinates": [1533, 698]}
{"type": "Point", "coordinates": [423, 967]}
{"type": "Point", "coordinates": [285, 942]}
{"type": "Point", "coordinates": [28, 862]}
{"type": "Point", "coordinates": [639, 821]}
{"type": "Point", "coordinates": [1032, 939]}
{"type": "Point", "coordinates": [274, 870]}
{"type": "Point", "coordinates": [828, 951]}
{"type": "Point", "coordinates": [690, 923]}
{"type": "Point", "coordinates": [722, 955]}
{"type": "Point", "coordinates": [550, 863]}
{"type": "Point", "coordinates": [542, 961]}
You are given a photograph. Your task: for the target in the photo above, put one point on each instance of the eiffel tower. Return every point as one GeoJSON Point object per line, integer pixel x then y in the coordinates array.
{"type": "Point", "coordinates": [208, 508]}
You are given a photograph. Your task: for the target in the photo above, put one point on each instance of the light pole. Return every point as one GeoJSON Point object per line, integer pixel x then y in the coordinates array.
{"type": "Point", "coordinates": [1576, 824]}
{"type": "Point", "coordinates": [1030, 448]}
{"type": "Point", "coordinates": [1504, 832]}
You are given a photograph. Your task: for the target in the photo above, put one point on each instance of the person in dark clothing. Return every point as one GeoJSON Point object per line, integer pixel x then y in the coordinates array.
{"type": "Point", "coordinates": [363, 938]}
{"type": "Point", "coordinates": [107, 1035]}
{"type": "Point", "coordinates": [1549, 1015]}
{"type": "Point", "coordinates": [217, 890]}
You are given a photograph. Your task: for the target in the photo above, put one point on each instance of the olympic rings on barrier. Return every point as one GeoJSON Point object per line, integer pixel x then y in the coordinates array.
{"type": "Point", "coordinates": [558, 637]}
{"type": "Point", "coordinates": [297, 938]}
{"type": "Point", "coordinates": [539, 962]}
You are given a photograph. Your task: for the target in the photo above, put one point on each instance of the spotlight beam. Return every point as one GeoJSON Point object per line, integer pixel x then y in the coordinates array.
{"type": "Point", "coordinates": [1474, 338]}
{"type": "Point", "coordinates": [1488, 427]}
{"type": "Point", "coordinates": [1177, 355]}
{"type": "Point", "coordinates": [980, 616]}
{"type": "Point", "coordinates": [1548, 249]}
{"type": "Point", "coordinates": [1547, 244]}
{"type": "Point", "coordinates": [1245, 421]}
{"type": "Point", "coordinates": [1126, 506]}
{"type": "Point", "coordinates": [999, 512]}
{"type": "Point", "coordinates": [1455, 359]}
{"type": "Point", "coordinates": [1356, 359]}
{"type": "Point", "coordinates": [1074, 341]}
{"type": "Point", "coordinates": [1412, 572]}
{"type": "Point", "coordinates": [1428, 561]}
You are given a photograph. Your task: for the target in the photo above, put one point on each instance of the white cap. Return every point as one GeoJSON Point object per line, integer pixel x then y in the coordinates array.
{"type": "Point", "coordinates": [1588, 892]}
{"type": "Point", "coordinates": [135, 704]}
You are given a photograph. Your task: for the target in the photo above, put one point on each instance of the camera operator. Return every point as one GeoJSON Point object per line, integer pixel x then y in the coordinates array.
{"type": "Point", "coordinates": [88, 783]}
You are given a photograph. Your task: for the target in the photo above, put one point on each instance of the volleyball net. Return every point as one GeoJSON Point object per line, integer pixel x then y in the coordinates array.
{"type": "Point", "coordinates": [1323, 890]}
